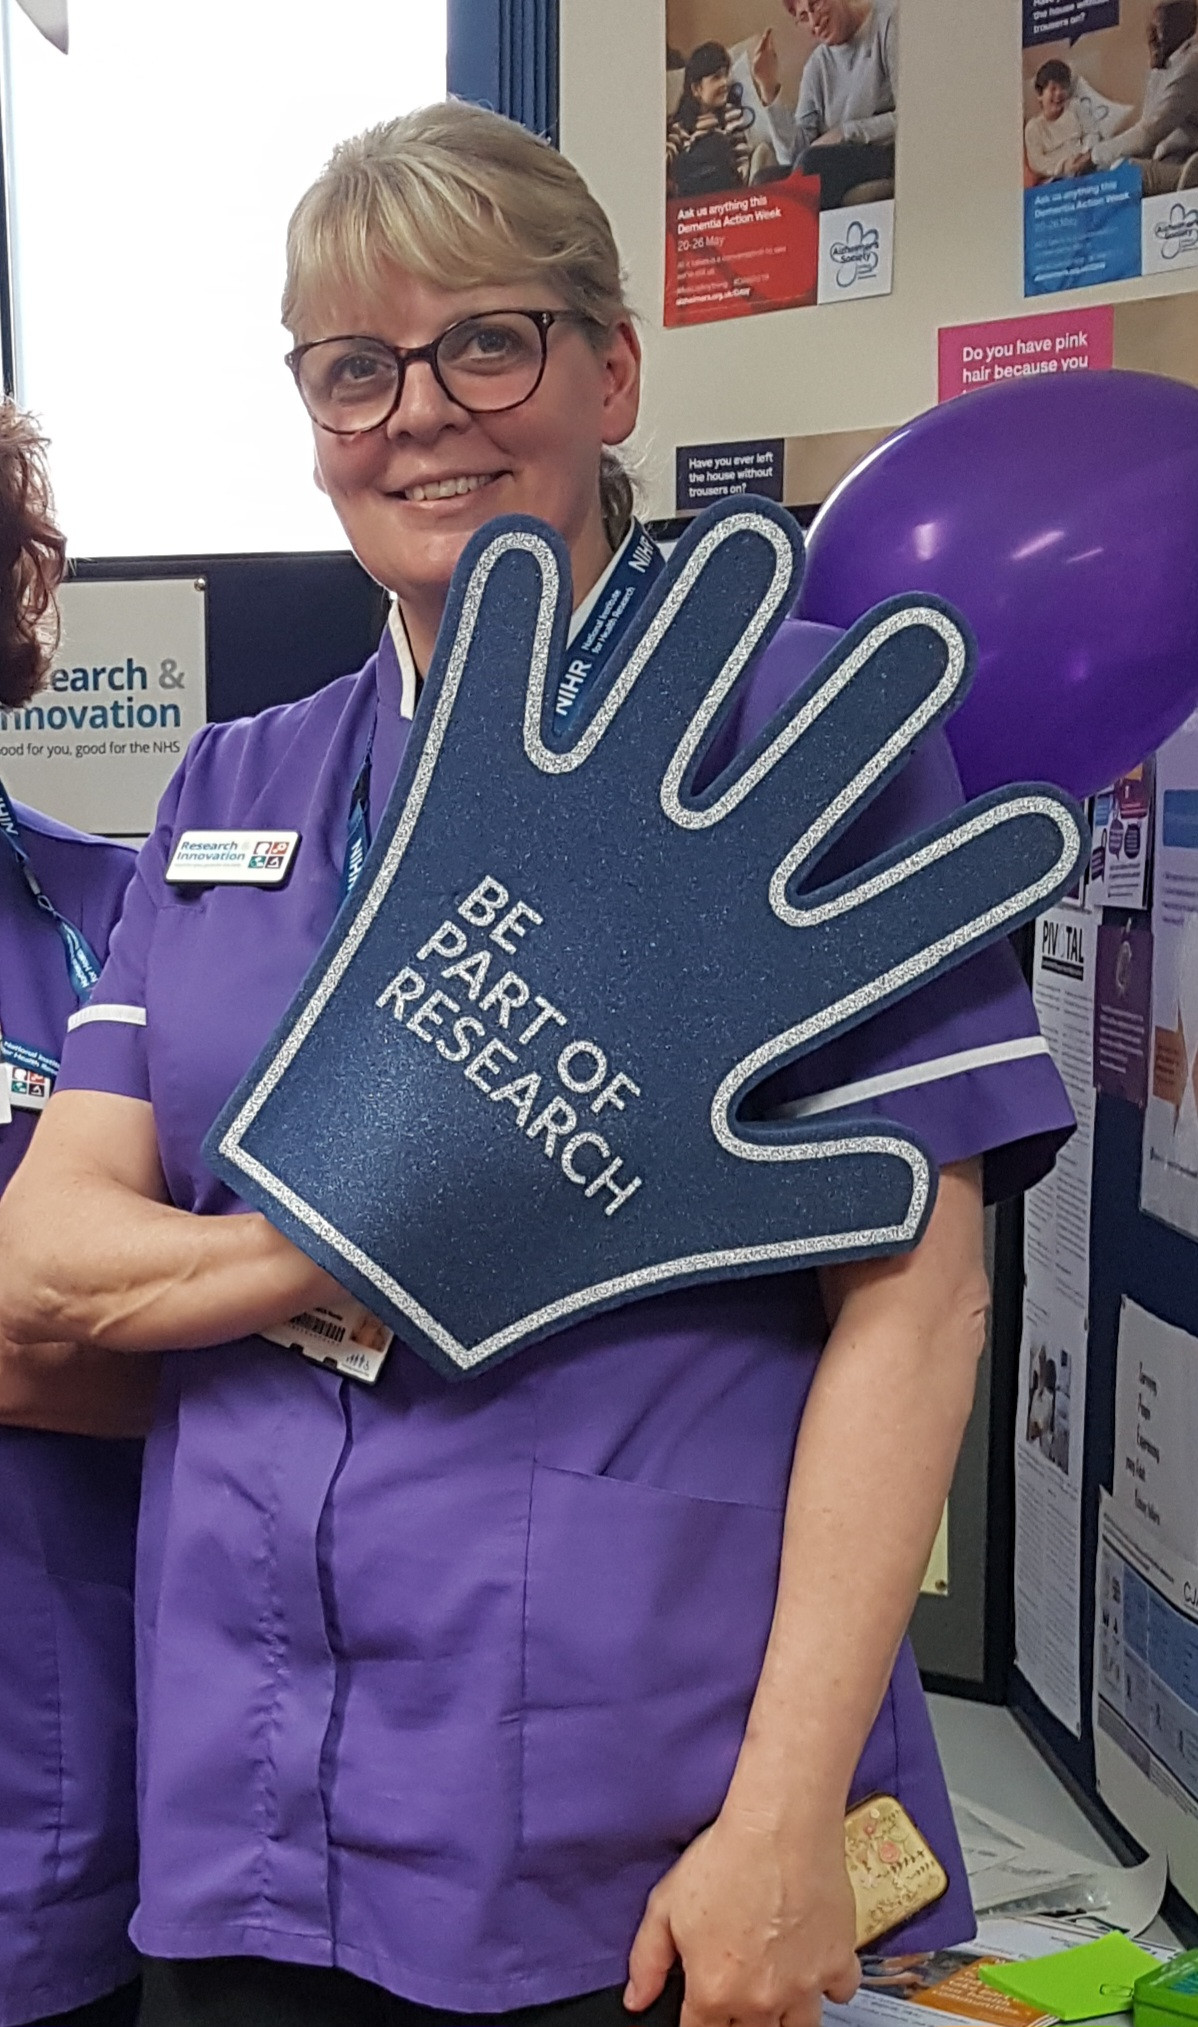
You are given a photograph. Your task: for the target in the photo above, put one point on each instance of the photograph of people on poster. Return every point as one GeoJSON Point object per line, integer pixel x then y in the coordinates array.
{"type": "Point", "coordinates": [1110, 141]}
{"type": "Point", "coordinates": [779, 152]}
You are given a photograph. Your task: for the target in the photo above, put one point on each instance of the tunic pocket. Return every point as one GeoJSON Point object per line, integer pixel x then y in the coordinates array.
{"type": "Point", "coordinates": [647, 1614]}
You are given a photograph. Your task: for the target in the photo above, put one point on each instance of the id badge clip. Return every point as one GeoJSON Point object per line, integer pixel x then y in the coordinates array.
{"type": "Point", "coordinates": [345, 1339]}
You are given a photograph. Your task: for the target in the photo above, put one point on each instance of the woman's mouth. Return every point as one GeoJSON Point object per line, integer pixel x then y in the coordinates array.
{"type": "Point", "coordinates": [449, 489]}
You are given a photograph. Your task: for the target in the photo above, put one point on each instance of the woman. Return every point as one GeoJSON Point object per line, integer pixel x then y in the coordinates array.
{"type": "Point", "coordinates": [447, 1682]}
{"type": "Point", "coordinates": [69, 1498]}
{"type": "Point", "coordinates": [707, 144]}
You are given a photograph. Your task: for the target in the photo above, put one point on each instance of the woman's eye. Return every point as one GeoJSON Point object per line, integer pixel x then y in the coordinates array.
{"type": "Point", "coordinates": [484, 345]}
{"type": "Point", "coordinates": [358, 369]}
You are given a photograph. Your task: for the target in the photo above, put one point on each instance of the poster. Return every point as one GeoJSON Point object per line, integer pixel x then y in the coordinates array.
{"type": "Point", "coordinates": [1110, 142]}
{"type": "Point", "coordinates": [1123, 1013]}
{"type": "Point", "coordinates": [1049, 1440]}
{"type": "Point", "coordinates": [1024, 348]}
{"type": "Point", "coordinates": [1146, 1689]}
{"type": "Point", "coordinates": [1057, 1211]}
{"type": "Point", "coordinates": [127, 689]}
{"type": "Point", "coordinates": [1156, 1429]}
{"type": "Point", "coordinates": [1122, 832]}
{"type": "Point", "coordinates": [779, 156]}
{"type": "Point", "coordinates": [1050, 1413]}
{"type": "Point", "coordinates": [1169, 1171]}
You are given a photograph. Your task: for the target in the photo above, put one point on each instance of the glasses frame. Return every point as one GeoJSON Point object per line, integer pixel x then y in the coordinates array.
{"type": "Point", "coordinates": [408, 355]}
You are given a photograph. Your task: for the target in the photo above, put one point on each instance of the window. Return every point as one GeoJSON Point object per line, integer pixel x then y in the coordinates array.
{"type": "Point", "coordinates": [152, 173]}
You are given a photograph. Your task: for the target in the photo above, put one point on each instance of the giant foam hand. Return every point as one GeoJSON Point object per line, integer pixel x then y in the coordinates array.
{"type": "Point", "coordinates": [507, 1094]}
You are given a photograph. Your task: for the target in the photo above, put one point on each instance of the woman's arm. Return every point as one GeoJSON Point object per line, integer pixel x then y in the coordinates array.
{"type": "Point", "coordinates": [90, 1252]}
{"type": "Point", "coordinates": [75, 1390]}
{"type": "Point", "coordinates": [759, 1908]}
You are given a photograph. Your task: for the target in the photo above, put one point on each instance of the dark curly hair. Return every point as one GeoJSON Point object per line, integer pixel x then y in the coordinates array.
{"type": "Point", "coordinates": [32, 558]}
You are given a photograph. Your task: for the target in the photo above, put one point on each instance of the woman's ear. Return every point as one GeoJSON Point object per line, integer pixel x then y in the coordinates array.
{"type": "Point", "coordinates": [622, 382]}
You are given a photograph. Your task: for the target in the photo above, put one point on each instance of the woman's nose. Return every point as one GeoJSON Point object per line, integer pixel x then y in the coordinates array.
{"type": "Point", "coordinates": [423, 408]}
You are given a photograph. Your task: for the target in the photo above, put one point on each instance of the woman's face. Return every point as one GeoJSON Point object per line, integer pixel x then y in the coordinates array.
{"type": "Point", "coordinates": [542, 458]}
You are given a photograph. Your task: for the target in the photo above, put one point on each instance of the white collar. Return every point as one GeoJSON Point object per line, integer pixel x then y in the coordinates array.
{"type": "Point", "coordinates": [583, 612]}
{"type": "Point", "coordinates": [403, 646]}
{"type": "Point", "coordinates": [409, 680]}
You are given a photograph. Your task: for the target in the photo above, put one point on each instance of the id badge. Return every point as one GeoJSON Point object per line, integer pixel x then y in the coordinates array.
{"type": "Point", "coordinates": [231, 858]}
{"type": "Point", "coordinates": [345, 1339]}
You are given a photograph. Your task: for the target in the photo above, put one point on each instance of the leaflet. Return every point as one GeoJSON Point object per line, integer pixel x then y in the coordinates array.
{"type": "Point", "coordinates": [946, 1982]}
{"type": "Point", "coordinates": [1050, 1419]}
{"type": "Point", "coordinates": [1156, 1429]}
{"type": "Point", "coordinates": [1146, 1689]}
{"type": "Point", "coordinates": [1057, 1226]}
{"type": "Point", "coordinates": [1169, 1173]}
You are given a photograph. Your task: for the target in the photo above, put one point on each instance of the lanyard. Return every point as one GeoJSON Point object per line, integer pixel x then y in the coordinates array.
{"type": "Point", "coordinates": [82, 963]}
{"type": "Point", "coordinates": [357, 842]}
{"type": "Point", "coordinates": [639, 562]}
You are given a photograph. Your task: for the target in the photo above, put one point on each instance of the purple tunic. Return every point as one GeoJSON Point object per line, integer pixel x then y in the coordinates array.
{"type": "Point", "coordinates": [68, 1506]}
{"type": "Point", "coordinates": [438, 1679]}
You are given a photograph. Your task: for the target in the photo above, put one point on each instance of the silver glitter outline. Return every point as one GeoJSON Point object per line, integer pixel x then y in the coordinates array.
{"type": "Point", "coordinates": [915, 967]}
{"type": "Point", "coordinates": [553, 1314]}
{"type": "Point", "coordinates": [551, 761]}
{"type": "Point", "coordinates": [835, 683]}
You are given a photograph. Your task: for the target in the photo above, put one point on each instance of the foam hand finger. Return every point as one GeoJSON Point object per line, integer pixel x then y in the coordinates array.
{"type": "Point", "coordinates": [835, 744]}
{"type": "Point", "coordinates": [922, 909]}
{"type": "Point", "coordinates": [502, 634]}
{"type": "Point", "coordinates": [731, 581]}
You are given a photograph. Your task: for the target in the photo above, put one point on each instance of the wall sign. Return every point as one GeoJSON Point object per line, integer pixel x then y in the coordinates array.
{"type": "Point", "coordinates": [127, 689]}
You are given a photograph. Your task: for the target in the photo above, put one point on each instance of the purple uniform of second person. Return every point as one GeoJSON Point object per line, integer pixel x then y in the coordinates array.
{"type": "Point", "coordinates": [68, 1506]}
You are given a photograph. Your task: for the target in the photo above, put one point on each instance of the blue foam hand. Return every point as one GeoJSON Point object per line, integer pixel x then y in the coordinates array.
{"type": "Point", "coordinates": [509, 1093]}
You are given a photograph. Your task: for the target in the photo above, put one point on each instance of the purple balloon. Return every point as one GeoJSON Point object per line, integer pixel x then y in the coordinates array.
{"type": "Point", "coordinates": [1060, 517]}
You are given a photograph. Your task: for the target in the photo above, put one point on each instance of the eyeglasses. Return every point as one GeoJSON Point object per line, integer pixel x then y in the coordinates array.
{"type": "Point", "coordinates": [486, 364]}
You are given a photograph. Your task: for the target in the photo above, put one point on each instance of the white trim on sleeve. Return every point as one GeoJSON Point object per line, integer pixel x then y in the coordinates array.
{"type": "Point", "coordinates": [124, 1016]}
{"type": "Point", "coordinates": [936, 1071]}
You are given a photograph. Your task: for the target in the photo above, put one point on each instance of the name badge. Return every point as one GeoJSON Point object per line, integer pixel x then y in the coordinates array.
{"type": "Point", "coordinates": [346, 1339]}
{"type": "Point", "coordinates": [232, 858]}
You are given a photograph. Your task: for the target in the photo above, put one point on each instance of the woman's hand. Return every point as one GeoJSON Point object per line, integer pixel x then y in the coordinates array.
{"type": "Point", "coordinates": [763, 1919]}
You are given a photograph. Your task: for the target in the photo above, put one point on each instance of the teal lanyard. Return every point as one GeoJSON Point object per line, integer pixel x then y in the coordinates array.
{"type": "Point", "coordinates": [357, 842]}
{"type": "Point", "coordinates": [588, 654]}
{"type": "Point", "coordinates": [82, 964]}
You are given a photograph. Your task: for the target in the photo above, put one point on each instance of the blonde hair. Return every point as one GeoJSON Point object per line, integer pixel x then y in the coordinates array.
{"type": "Point", "coordinates": [460, 196]}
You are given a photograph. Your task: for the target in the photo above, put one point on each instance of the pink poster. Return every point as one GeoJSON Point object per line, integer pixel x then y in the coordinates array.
{"type": "Point", "coordinates": [1016, 348]}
